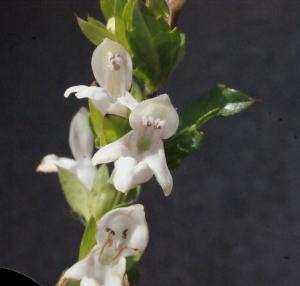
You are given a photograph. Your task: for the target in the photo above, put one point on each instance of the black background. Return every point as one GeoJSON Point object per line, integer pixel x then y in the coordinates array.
{"type": "Point", "coordinates": [233, 217]}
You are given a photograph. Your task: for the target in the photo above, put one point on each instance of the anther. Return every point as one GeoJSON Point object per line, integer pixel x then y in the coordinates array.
{"type": "Point", "coordinates": [124, 234]}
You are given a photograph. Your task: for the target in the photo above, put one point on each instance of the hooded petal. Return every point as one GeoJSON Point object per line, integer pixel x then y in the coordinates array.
{"type": "Point", "coordinates": [157, 162]}
{"type": "Point", "coordinates": [113, 151]}
{"type": "Point", "coordinates": [81, 139]}
{"type": "Point", "coordinates": [160, 108]}
{"type": "Point", "coordinates": [50, 163]}
{"type": "Point", "coordinates": [112, 67]}
{"type": "Point", "coordinates": [129, 173]}
{"type": "Point", "coordinates": [130, 218]}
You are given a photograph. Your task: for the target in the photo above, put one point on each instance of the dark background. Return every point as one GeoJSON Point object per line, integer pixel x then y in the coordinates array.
{"type": "Point", "coordinates": [233, 217]}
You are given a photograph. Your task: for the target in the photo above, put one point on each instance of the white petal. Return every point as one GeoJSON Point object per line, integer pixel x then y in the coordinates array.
{"type": "Point", "coordinates": [113, 151]}
{"type": "Point", "coordinates": [95, 93]}
{"type": "Point", "coordinates": [115, 82]}
{"type": "Point", "coordinates": [86, 267]}
{"type": "Point", "coordinates": [85, 172]}
{"type": "Point", "coordinates": [158, 107]}
{"type": "Point", "coordinates": [157, 162]}
{"type": "Point", "coordinates": [81, 139]}
{"type": "Point", "coordinates": [129, 174]}
{"type": "Point", "coordinates": [114, 274]}
{"type": "Point", "coordinates": [50, 163]}
{"type": "Point", "coordinates": [89, 282]}
{"type": "Point", "coordinates": [128, 100]}
{"type": "Point", "coordinates": [74, 89]}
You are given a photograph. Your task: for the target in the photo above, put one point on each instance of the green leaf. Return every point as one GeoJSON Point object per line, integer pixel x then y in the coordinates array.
{"type": "Point", "coordinates": [75, 192]}
{"type": "Point", "coordinates": [102, 196]}
{"type": "Point", "coordinates": [159, 8]}
{"type": "Point", "coordinates": [107, 8]}
{"type": "Point", "coordinates": [219, 101]}
{"type": "Point", "coordinates": [97, 125]}
{"type": "Point", "coordinates": [154, 48]}
{"type": "Point", "coordinates": [94, 31]}
{"type": "Point", "coordinates": [114, 127]}
{"type": "Point", "coordinates": [88, 240]}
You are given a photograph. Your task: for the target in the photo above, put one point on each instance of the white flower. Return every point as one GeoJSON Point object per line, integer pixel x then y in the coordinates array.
{"type": "Point", "coordinates": [112, 68]}
{"type": "Point", "coordinates": [81, 142]}
{"type": "Point", "coordinates": [140, 153]}
{"type": "Point", "coordinates": [121, 232]}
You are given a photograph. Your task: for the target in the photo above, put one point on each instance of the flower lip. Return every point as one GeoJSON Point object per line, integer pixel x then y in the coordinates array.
{"type": "Point", "coordinates": [157, 113]}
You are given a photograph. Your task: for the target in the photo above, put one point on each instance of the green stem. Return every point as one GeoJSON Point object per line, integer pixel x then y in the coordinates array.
{"type": "Point", "coordinates": [117, 200]}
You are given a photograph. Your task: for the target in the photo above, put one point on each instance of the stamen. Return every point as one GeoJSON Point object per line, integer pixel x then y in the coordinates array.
{"type": "Point", "coordinates": [147, 121]}
{"type": "Point", "coordinates": [109, 240]}
{"type": "Point", "coordinates": [159, 123]}
{"type": "Point", "coordinates": [124, 234]}
{"type": "Point", "coordinates": [120, 251]}
{"type": "Point", "coordinates": [144, 120]}
{"type": "Point", "coordinates": [114, 61]}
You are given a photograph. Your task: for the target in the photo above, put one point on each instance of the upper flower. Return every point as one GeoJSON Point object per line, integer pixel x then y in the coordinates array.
{"type": "Point", "coordinates": [140, 153]}
{"type": "Point", "coordinates": [81, 142]}
{"type": "Point", "coordinates": [112, 68]}
{"type": "Point", "coordinates": [121, 232]}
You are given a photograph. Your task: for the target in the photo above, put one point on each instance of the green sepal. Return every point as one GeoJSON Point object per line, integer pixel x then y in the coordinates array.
{"type": "Point", "coordinates": [88, 240]}
{"type": "Point", "coordinates": [96, 123]}
{"type": "Point", "coordinates": [219, 101]}
{"type": "Point", "coordinates": [114, 127]}
{"type": "Point", "coordinates": [102, 196]}
{"type": "Point", "coordinates": [75, 192]}
{"type": "Point", "coordinates": [94, 30]}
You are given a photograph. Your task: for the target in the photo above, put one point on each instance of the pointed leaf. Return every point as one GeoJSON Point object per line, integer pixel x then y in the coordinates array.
{"type": "Point", "coordinates": [94, 31]}
{"type": "Point", "coordinates": [159, 8]}
{"type": "Point", "coordinates": [88, 240]}
{"type": "Point", "coordinates": [219, 100]}
{"type": "Point", "coordinates": [75, 192]}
